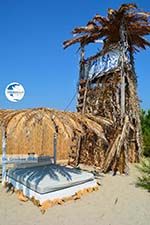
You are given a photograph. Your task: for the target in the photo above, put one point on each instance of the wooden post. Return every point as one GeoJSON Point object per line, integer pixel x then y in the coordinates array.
{"type": "Point", "coordinates": [3, 155]}
{"type": "Point", "coordinates": [123, 48]}
{"type": "Point", "coordinates": [82, 53]}
{"type": "Point", "coordinates": [54, 139]}
{"type": "Point", "coordinates": [85, 95]}
{"type": "Point", "coordinates": [55, 147]}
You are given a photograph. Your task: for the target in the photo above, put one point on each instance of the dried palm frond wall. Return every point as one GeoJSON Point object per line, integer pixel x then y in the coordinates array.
{"type": "Point", "coordinates": [103, 98]}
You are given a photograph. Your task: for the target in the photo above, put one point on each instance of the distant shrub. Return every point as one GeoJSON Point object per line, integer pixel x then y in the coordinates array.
{"type": "Point", "coordinates": [144, 168]}
{"type": "Point", "coordinates": [145, 123]}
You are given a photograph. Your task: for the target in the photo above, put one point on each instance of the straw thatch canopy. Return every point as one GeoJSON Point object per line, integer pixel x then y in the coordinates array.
{"type": "Point", "coordinates": [137, 25]}
{"type": "Point", "coordinates": [32, 130]}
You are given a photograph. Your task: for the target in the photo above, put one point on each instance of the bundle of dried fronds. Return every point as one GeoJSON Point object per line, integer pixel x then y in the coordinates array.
{"type": "Point", "coordinates": [108, 28]}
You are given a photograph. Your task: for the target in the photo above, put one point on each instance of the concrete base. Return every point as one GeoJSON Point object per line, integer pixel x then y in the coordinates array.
{"type": "Point", "coordinates": [50, 182]}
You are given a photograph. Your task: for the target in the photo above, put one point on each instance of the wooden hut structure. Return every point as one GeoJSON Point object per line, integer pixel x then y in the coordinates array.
{"type": "Point", "coordinates": [107, 80]}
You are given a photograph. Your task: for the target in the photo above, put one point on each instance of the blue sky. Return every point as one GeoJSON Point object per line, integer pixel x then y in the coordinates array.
{"type": "Point", "coordinates": [32, 32]}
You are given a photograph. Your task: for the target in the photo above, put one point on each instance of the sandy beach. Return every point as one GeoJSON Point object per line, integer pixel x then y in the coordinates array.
{"type": "Point", "coordinates": [118, 202]}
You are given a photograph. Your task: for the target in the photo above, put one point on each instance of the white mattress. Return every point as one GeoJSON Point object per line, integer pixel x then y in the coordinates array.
{"type": "Point", "coordinates": [49, 178]}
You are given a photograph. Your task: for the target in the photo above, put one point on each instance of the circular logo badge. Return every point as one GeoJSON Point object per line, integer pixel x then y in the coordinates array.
{"type": "Point", "coordinates": [14, 92]}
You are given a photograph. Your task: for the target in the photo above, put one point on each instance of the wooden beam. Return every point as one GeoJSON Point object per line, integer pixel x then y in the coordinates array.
{"type": "Point", "coordinates": [82, 53]}
{"type": "Point", "coordinates": [122, 93]}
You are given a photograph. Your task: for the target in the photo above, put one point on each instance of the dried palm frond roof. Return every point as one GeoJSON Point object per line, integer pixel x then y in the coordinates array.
{"type": "Point", "coordinates": [6, 116]}
{"type": "Point", "coordinates": [137, 25]}
{"type": "Point", "coordinates": [32, 130]}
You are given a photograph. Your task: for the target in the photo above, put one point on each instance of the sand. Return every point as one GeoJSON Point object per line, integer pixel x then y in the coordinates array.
{"type": "Point", "coordinates": [118, 202]}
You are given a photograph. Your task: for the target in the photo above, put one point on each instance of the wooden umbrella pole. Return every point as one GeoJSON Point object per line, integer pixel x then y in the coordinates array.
{"type": "Point", "coordinates": [3, 155]}
{"type": "Point", "coordinates": [55, 139]}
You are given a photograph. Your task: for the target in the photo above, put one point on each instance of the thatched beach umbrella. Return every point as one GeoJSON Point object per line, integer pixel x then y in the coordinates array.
{"type": "Point", "coordinates": [32, 131]}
